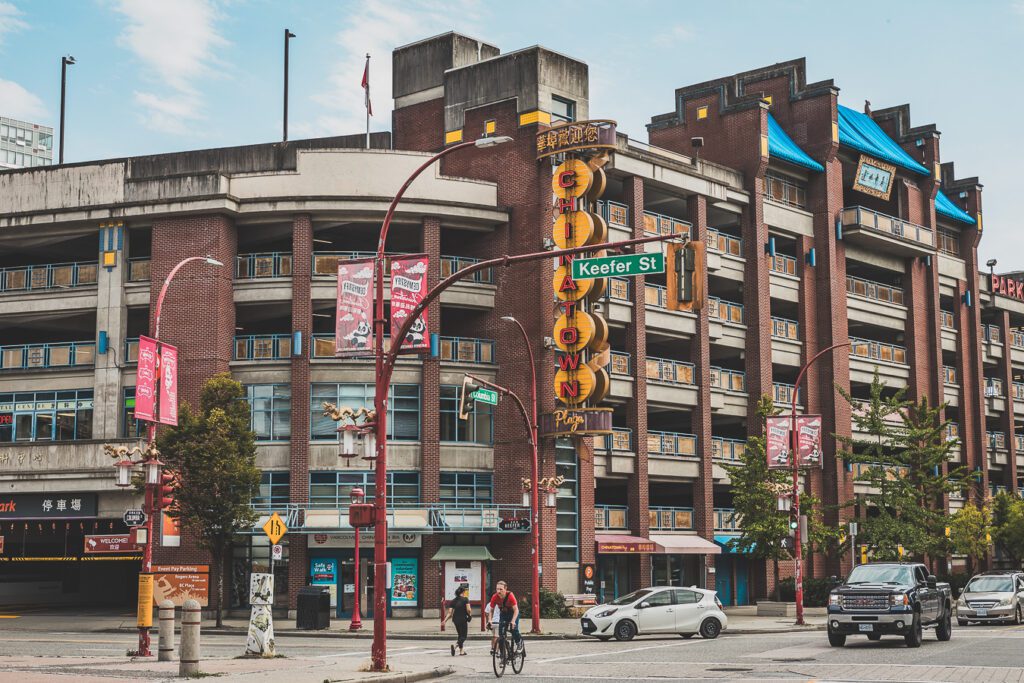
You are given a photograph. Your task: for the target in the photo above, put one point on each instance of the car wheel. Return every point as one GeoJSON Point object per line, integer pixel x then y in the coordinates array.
{"type": "Point", "coordinates": [710, 628]}
{"type": "Point", "coordinates": [874, 636]}
{"type": "Point", "coordinates": [913, 639]}
{"type": "Point", "coordinates": [944, 629]}
{"type": "Point", "coordinates": [687, 635]}
{"type": "Point", "coordinates": [961, 622]}
{"type": "Point", "coordinates": [625, 630]}
{"type": "Point", "coordinates": [836, 639]}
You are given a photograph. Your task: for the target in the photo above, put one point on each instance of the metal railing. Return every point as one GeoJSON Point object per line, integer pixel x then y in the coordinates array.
{"type": "Point", "coordinates": [467, 350]}
{"type": "Point", "coordinates": [726, 311]}
{"type": "Point", "coordinates": [869, 289]}
{"type": "Point", "coordinates": [263, 265]}
{"type": "Point", "coordinates": [724, 243]}
{"type": "Point", "coordinates": [727, 450]}
{"type": "Point", "coordinates": [726, 519]}
{"type": "Point", "coordinates": [655, 295]}
{"type": "Point", "coordinates": [873, 350]}
{"type": "Point", "coordinates": [611, 516]}
{"type": "Point", "coordinates": [620, 363]}
{"type": "Point", "coordinates": [48, 276]}
{"type": "Point", "coordinates": [658, 224]}
{"type": "Point", "coordinates": [890, 225]}
{"type": "Point", "coordinates": [946, 320]}
{"type": "Point", "coordinates": [326, 262]}
{"type": "Point", "coordinates": [131, 350]}
{"type": "Point", "coordinates": [991, 334]}
{"type": "Point", "coordinates": [263, 347]}
{"type": "Point", "coordinates": [619, 440]}
{"type": "Point", "coordinates": [671, 443]}
{"type": "Point", "coordinates": [55, 355]}
{"type": "Point", "coordinates": [663, 518]}
{"type": "Point", "coordinates": [783, 264]}
{"type": "Point", "coordinates": [1018, 391]}
{"type": "Point", "coordinates": [784, 328]}
{"type": "Point", "coordinates": [615, 213]}
{"type": "Point", "coordinates": [1018, 440]}
{"type": "Point", "coordinates": [620, 288]}
{"type": "Point", "coordinates": [671, 371]}
{"type": "Point", "coordinates": [138, 269]}
{"type": "Point", "coordinates": [782, 393]}
{"type": "Point", "coordinates": [729, 380]}
{"type": "Point", "coordinates": [1018, 339]}
{"type": "Point", "coordinates": [992, 386]}
{"type": "Point", "coordinates": [996, 440]}
{"type": "Point", "coordinates": [453, 264]}
{"type": "Point", "coordinates": [949, 374]}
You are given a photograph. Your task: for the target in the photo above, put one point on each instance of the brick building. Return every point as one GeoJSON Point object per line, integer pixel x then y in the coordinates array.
{"type": "Point", "coordinates": [895, 270]}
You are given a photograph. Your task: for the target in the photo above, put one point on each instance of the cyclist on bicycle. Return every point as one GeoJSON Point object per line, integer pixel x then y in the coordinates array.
{"type": "Point", "coordinates": [504, 602]}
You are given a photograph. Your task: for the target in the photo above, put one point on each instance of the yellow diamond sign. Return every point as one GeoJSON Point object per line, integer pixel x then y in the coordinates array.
{"type": "Point", "coordinates": [275, 528]}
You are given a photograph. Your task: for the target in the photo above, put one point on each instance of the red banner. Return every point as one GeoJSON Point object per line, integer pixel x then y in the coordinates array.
{"type": "Point", "coordinates": [145, 382]}
{"type": "Point", "coordinates": [808, 440]}
{"type": "Point", "coordinates": [408, 287]}
{"type": "Point", "coordinates": [808, 429]}
{"type": "Point", "coordinates": [353, 333]}
{"type": "Point", "coordinates": [777, 442]}
{"type": "Point", "coordinates": [112, 544]}
{"type": "Point", "coordinates": [168, 405]}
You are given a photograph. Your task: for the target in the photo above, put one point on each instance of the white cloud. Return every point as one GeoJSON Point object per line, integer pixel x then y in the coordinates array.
{"type": "Point", "coordinates": [377, 28]}
{"type": "Point", "coordinates": [677, 33]}
{"type": "Point", "coordinates": [177, 42]}
{"type": "Point", "coordinates": [9, 21]}
{"type": "Point", "coordinates": [19, 103]}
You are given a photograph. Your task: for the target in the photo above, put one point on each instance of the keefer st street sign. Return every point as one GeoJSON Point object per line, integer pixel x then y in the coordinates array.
{"type": "Point", "coordinates": [618, 266]}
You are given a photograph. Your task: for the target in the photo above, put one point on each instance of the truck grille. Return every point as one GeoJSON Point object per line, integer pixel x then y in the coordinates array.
{"type": "Point", "coordinates": [983, 604]}
{"type": "Point", "coordinates": [869, 601]}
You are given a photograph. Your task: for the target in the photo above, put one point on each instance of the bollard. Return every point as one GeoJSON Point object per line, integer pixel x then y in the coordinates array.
{"type": "Point", "coordinates": [191, 618]}
{"type": "Point", "coordinates": [166, 651]}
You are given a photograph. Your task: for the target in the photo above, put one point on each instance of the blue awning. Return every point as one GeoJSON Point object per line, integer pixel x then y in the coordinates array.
{"type": "Point", "coordinates": [781, 146]}
{"type": "Point", "coordinates": [723, 540]}
{"type": "Point", "coordinates": [859, 131]}
{"type": "Point", "coordinates": [945, 206]}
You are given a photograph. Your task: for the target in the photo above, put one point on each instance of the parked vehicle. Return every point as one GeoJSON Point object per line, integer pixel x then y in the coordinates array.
{"type": "Point", "coordinates": [992, 596]}
{"type": "Point", "coordinates": [883, 598]}
{"type": "Point", "coordinates": [660, 609]}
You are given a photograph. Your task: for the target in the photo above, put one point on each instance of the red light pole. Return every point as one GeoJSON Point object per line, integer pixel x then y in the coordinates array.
{"type": "Point", "coordinates": [534, 474]}
{"type": "Point", "coordinates": [356, 497]}
{"type": "Point", "coordinates": [794, 456]}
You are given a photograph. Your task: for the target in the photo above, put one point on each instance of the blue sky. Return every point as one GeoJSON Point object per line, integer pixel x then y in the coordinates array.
{"type": "Point", "coordinates": [165, 75]}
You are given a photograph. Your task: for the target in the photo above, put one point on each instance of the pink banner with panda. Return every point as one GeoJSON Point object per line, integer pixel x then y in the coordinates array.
{"type": "Point", "coordinates": [168, 374]}
{"type": "Point", "coordinates": [408, 287]}
{"type": "Point", "coordinates": [353, 332]}
{"type": "Point", "coordinates": [146, 380]}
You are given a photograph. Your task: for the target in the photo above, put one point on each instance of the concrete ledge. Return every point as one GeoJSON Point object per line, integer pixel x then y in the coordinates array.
{"type": "Point", "coordinates": [438, 672]}
{"type": "Point", "coordinates": [768, 608]}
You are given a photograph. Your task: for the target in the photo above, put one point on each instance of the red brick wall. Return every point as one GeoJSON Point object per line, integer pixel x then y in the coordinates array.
{"type": "Point", "coordinates": [419, 126]}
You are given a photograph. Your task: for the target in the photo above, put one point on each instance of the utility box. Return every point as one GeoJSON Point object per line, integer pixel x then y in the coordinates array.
{"type": "Point", "coordinates": [313, 609]}
{"type": "Point", "coordinates": [360, 515]}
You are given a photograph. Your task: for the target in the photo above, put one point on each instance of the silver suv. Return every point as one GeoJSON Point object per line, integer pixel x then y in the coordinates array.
{"type": "Point", "coordinates": [992, 596]}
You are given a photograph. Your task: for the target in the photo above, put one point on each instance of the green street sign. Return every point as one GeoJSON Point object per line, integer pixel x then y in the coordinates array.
{"type": "Point", "coordinates": [485, 396]}
{"type": "Point", "coordinates": [618, 266]}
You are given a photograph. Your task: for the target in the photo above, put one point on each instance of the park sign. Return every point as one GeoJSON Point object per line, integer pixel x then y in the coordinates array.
{"type": "Point", "coordinates": [488, 396]}
{"type": "Point", "coordinates": [618, 266]}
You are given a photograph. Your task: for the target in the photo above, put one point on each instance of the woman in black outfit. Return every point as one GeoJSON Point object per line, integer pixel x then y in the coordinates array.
{"type": "Point", "coordinates": [460, 613]}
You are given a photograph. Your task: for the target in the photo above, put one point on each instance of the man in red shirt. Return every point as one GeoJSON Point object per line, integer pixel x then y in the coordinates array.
{"type": "Point", "coordinates": [507, 607]}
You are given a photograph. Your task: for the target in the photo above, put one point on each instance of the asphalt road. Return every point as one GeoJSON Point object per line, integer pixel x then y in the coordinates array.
{"type": "Point", "coordinates": [977, 653]}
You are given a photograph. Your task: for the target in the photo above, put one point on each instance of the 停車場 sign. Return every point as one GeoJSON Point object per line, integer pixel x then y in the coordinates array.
{"type": "Point", "coordinates": [618, 266]}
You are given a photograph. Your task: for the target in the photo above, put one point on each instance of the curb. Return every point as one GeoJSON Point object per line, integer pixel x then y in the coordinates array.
{"type": "Point", "coordinates": [438, 672]}
{"type": "Point", "coordinates": [444, 637]}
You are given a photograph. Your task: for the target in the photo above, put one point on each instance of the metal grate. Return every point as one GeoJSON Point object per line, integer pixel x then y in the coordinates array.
{"type": "Point", "coordinates": [869, 601]}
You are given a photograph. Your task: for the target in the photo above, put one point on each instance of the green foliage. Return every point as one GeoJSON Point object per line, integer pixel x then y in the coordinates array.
{"type": "Point", "coordinates": [552, 605]}
{"type": "Point", "coordinates": [815, 591]}
{"type": "Point", "coordinates": [1008, 526]}
{"type": "Point", "coordinates": [905, 450]}
{"type": "Point", "coordinates": [956, 582]}
{"type": "Point", "coordinates": [969, 530]}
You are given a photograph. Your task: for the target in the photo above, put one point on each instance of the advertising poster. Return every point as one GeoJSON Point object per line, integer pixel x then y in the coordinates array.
{"type": "Point", "coordinates": [408, 287]}
{"type": "Point", "coordinates": [777, 442]}
{"type": "Point", "coordinates": [179, 583]}
{"type": "Point", "coordinates": [168, 385]}
{"type": "Point", "coordinates": [353, 332]}
{"type": "Point", "coordinates": [808, 429]}
{"type": "Point", "coordinates": [170, 531]}
{"type": "Point", "coordinates": [324, 572]}
{"type": "Point", "coordinates": [145, 606]}
{"type": "Point", "coordinates": [465, 574]}
{"type": "Point", "coordinates": [404, 581]}
{"type": "Point", "coordinates": [145, 382]}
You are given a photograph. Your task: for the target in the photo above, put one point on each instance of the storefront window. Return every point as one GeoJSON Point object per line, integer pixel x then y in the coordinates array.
{"type": "Point", "coordinates": [467, 488]}
{"type": "Point", "coordinates": [46, 416]}
{"type": "Point", "coordinates": [479, 428]}
{"type": "Point", "coordinates": [273, 490]}
{"type": "Point", "coordinates": [403, 409]}
{"type": "Point", "coordinates": [567, 522]}
{"type": "Point", "coordinates": [270, 411]}
{"type": "Point", "coordinates": [332, 490]}
{"type": "Point", "coordinates": [252, 554]}
{"type": "Point", "coordinates": [130, 427]}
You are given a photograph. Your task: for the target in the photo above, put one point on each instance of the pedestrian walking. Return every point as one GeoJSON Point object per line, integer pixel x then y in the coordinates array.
{"type": "Point", "coordinates": [459, 612]}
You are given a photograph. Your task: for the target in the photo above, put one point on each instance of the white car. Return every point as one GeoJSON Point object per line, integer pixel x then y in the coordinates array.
{"type": "Point", "coordinates": [660, 609]}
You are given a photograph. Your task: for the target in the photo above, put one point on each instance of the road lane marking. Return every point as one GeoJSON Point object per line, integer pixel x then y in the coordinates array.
{"type": "Point", "coordinates": [606, 652]}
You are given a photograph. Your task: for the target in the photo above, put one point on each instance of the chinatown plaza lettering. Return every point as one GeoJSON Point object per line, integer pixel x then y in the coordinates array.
{"type": "Point", "coordinates": [580, 421]}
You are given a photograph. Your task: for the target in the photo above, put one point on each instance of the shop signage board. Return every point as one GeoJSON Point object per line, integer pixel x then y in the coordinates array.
{"type": "Point", "coordinates": [179, 583]}
{"type": "Point", "coordinates": [324, 572]}
{"type": "Point", "coordinates": [111, 544]}
{"type": "Point", "coordinates": [621, 547]}
{"type": "Point", "coordinates": [1, 545]}
{"type": "Point", "coordinates": [145, 380]}
{"type": "Point", "coordinates": [1007, 286]}
{"type": "Point", "coordinates": [580, 422]}
{"type": "Point", "coordinates": [408, 287]}
{"type": "Point", "coordinates": [623, 265]}
{"type": "Point", "coordinates": [487, 396]}
{"type": "Point", "coordinates": [47, 505]}
{"type": "Point", "coordinates": [404, 581]}
{"type": "Point", "coordinates": [353, 332]}
{"type": "Point", "coordinates": [275, 528]}
{"type": "Point", "coordinates": [168, 406]}
{"type": "Point", "coordinates": [134, 517]}
{"type": "Point", "coordinates": [580, 135]}
{"type": "Point", "coordinates": [874, 177]}
{"type": "Point", "coordinates": [347, 540]}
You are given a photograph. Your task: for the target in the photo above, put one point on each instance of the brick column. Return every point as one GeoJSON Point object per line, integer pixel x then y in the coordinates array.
{"type": "Point", "coordinates": [922, 329]}
{"type": "Point", "coordinates": [757, 309]}
{"type": "Point", "coordinates": [968, 368]}
{"type": "Point", "coordinates": [1006, 422]}
{"type": "Point", "coordinates": [430, 424]}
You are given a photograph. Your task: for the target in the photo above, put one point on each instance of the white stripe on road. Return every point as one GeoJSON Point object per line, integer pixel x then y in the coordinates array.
{"type": "Point", "coordinates": [617, 652]}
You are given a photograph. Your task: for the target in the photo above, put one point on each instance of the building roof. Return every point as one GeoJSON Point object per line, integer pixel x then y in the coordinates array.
{"type": "Point", "coordinates": [860, 132]}
{"type": "Point", "coordinates": [781, 146]}
{"type": "Point", "coordinates": [945, 206]}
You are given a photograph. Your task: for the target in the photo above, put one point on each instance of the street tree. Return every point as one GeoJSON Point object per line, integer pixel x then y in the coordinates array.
{"type": "Point", "coordinates": [905, 458]}
{"type": "Point", "coordinates": [213, 454]}
{"type": "Point", "coordinates": [970, 529]}
{"type": "Point", "coordinates": [1008, 526]}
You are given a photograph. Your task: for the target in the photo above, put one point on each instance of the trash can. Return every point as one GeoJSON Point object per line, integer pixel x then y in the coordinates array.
{"type": "Point", "coordinates": [313, 609]}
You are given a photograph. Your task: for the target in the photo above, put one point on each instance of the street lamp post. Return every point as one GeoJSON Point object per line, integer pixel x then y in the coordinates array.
{"type": "Point", "coordinates": [64, 62]}
{"type": "Point", "coordinates": [356, 497]}
{"type": "Point", "coordinates": [287, 36]}
{"type": "Point", "coordinates": [794, 457]}
{"type": "Point", "coordinates": [534, 474]}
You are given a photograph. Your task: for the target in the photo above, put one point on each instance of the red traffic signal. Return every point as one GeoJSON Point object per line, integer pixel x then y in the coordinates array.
{"type": "Point", "coordinates": [165, 491]}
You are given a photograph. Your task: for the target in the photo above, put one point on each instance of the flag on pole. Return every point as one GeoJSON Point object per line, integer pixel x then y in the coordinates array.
{"type": "Point", "coordinates": [366, 86]}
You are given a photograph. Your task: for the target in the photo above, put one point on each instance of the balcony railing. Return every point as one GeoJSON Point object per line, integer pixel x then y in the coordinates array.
{"type": "Point", "coordinates": [726, 311]}
{"type": "Point", "coordinates": [784, 328]}
{"type": "Point", "coordinates": [1018, 441]}
{"type": "Point", "coordinates": [608, 517]}
{"type": "Point", "coordinates": [726, 519]}
{"type": "Point", "coordinates": [727, 450]}
{"type": "Point", "coordinates": [657, 224]}
{"type": "Point", "coordinates": [59, 355]}
{"type": "Point", "coordinates": [467, 350]}
{"type": "Point", "coordinates": [992, 386]}
{"type": "Point", "coordinates": [949, 374]}
{"type": "Point", "coordinates": [620, 364]}
{"type": "Point", "coordinates": [861, 469]}
{"type": "Point", "coordinates": [619, 440]}
{"type": "Point", "coordinates": [946, 320]}
{"type": "Point", "coordinates": [453, 264]}
{"type": "Point", "coordinates": [890, 353]}
{"type": "Point", "coordinates": [952, 431]}
{"type": "Point", "coordinates": [47, 276]}
{"type": "Point", "coordinates": [655, 295]}
{"type": "Point", "coordinates": [874, 290]}
{"type": "Point", "coordinates": [1018, 339]}
{"type": "Point", "coordinates": [859, 216]}
{"type": "Point", "coordinates": [786, 265]}
{"type": "Point", "coordinates": [729, 380]}
{"type": "Point", "coordinates": [263, 347]}
{"type": "Point", "coordinates": [265, 265]}
{"type": "Point", "coordinates": [671, 371]}
{"type": "Point", "coordinates": [1018, 391]}
{"type": "Point", "coordinates": [138, 269]}
{"type": "Point", "coordinates": [619, 288]}
{"type": "Point", "coordinates": [326, 262]}
{"type": "Point", "coordinates": [131, 350]}
{"type": "Point", "coordinates": [996, 440]}
{"type": "Point", "coordinates": [724, 243]}
{"type": "Point", "coordinates": [783, 393]}
{"type": "Point", "coordinates": [670, 518]}
{"type": "Point", "coordinates": [671, 443]}
{"type": "Point", "coordinates": [990, 333]}
{"type": "Point", "coordinates": [615, 213]}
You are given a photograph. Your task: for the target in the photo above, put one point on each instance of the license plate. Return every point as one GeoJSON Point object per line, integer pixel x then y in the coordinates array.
{"type": "Point", "coordinates": [982, 612]}
{"type": "Point", "coordinates": [867, 627]}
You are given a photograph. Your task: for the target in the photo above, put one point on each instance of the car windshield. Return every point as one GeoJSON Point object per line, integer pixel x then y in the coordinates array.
{"type": "Point", "coordinates": [895, 574]}
{"type": "Point", "coordinates": [990, 584]}
{"type": "Point", "coordinates": [631, 598]}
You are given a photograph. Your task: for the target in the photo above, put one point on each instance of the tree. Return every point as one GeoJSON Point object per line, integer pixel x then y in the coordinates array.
{"type": "Point", "coordinates": [905, 453]}
{"type": "Point", "coordinates": [213, 453]}
{"type": "Point", "coordinates": [1008, 526]}
{"type": "Point", "coordinates": [970, 528]}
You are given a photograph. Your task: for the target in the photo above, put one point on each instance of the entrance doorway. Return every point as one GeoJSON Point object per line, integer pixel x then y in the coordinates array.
{"type": "Point", "coordinates": [613, 576]}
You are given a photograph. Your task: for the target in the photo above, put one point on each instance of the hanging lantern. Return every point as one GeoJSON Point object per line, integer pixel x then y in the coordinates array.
{"type": "Point", "coordinates": [526, 498]}
{"type": "Point", "coordinates": [348, 442]}
{"type": "Point", "coordinates": [124, 472]}
{"type": "Point", "coordinates": [356, 496]}
{"type": "Point", "coordinates": [370, 444]}
{"type": "Point", "coordinates": [552, 493]}
{"type": "Point", "coordinates": [154, 468]}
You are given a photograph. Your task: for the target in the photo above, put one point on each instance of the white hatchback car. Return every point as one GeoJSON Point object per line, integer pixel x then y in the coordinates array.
{"type": "Point", "coordinates": [660, 609]}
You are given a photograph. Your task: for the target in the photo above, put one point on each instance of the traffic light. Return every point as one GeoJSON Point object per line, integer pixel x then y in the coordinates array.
{"type": "Point", "coordinates": [794, 519]}
{"type": "Point", "coordinates": [863, 554]}
{"type": "Point", "coordinates": [465, 398]}
{"type": "Point", "coordinates": [165, 491]}
{"type": "Point", "coordinates": [685, 265]}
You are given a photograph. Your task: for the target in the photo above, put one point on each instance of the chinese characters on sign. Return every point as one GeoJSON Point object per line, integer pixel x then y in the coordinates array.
{"type": "Point", "coordinates": [145, 382]}
{"type": "Point", "coordinates": [47, 505]}
{"type": "Point", "coordinates": [353, 332]}
{"type": "Point", "coordinates": [168, 385]}
{"type": "Point", "coordinates": [117, 544]}
{"type": "Point", "coordinates": [874, 177]}
{"type": "Point", "coordinates": [408, 287]}
{"type": "Point", "coordinates": [576, 136]}
{"type": "Point", "coordinates": [620, 547]}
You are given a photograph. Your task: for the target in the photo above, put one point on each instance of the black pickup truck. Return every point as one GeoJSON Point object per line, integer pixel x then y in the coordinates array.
{"type": "Point", "coordinates": [889, 598]}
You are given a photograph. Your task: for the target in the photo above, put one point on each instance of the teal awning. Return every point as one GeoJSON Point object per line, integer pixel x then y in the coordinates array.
{"type": "Point", "coordinates": [945, 206]}
{"type": "Point", "coordinates": [723, 540]}
{"type": "Point", "coordinates": [860, 132]}
{"type": "Point", "coordinates": [781, 146]}
{"type": "Point", "coordinates": [463, 552]}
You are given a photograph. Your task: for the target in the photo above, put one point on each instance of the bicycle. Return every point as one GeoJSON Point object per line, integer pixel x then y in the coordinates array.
{"type": "Point", "coordinates": [507, 652]}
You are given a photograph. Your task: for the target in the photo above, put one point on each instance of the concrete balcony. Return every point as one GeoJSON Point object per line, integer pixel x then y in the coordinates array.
{"type": "Point", "coordinates": [672, 455]}
{"type": "Point", "coordinates": [875, 303]}
{"type": "Point", "coordinates": [614, 454]}
{"type": "Point", "coordinates": [950, 386]}
{"type": "Point", "coordinates": [670, 518]}
{"type": "Point", "coordinates": [620, 370]}
{"type": "Point", "coordinates": [890, 360]}
{"type": "Point", "coordinates": [611, 517]}
{"type": "Point", "coordinates": [991, 344]}
{"type": "Point", "coordinates": [878, 231]}
{"type": "Point", "coordinates": [728, 392]}
{"type": "Point", "coordinates": [786, 344]}
{"type": "Point", "coordinates": [670, 383]}
{"type": "Point", "coordinates": [32, 357]}
{"type": "Point", "coordinates": [995, 394]}
{"type": "Point", "coordinates": [783, 281]}
{"type": "Point", "coordinates": [726, 326]}
{"type": "Point", "coordinates": [947, 331]}
{"type": "Point", "coordinates": [725, 254]}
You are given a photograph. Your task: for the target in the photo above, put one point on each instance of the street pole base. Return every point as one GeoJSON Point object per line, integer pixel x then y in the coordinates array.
{"type": "Point", "coordinates": [143, 650]}
{"type": "Point", "coordinates": [355, 626]}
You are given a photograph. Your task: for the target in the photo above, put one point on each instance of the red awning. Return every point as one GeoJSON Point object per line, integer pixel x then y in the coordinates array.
{"type": "Point", "coordinates": [624, 543]}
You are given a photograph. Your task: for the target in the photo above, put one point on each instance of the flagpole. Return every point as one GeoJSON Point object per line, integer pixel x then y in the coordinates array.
{"type": "Point", "coordinates": [367, 100]}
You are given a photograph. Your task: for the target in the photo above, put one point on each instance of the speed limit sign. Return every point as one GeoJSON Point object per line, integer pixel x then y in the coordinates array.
{"type": "Point", "coordinates": [277, 552]}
